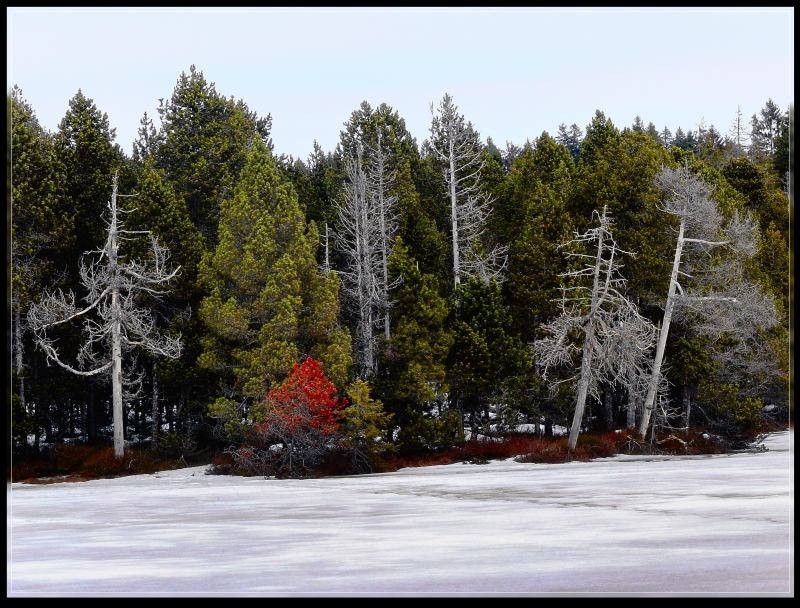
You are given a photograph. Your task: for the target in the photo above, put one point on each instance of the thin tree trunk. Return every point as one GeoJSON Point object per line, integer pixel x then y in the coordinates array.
{"type": "Point", "coordinates": [588, 349]}
{"type": "Point", "coordinates": [156, 418]}
{"type": "Point", "coordinates": [116, 335]}
{"type": "Point", "coordinates": [583, 386]}
{"type": "Point", "coordinates": [687, 407]}
{"type": "Point", "coordinates": [652, 388]}
{"type": "Point", "coordinates": [631, 421]}
{"type": "Point", "coordinates": [454, 216]}
{"type": "Point", "coordinates": [18, 361]}
{"type": "Point", "coordinates": [608, 408]}
{"type": "Point", "coordinates": [90, 423]}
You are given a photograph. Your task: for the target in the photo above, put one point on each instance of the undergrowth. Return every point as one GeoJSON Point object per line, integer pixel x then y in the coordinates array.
{"type": "Point", "coordinates": [81, 463]}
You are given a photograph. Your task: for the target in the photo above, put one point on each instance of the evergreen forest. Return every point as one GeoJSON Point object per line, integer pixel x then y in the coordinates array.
{"type": "Point", "coordinates": [399, 294]}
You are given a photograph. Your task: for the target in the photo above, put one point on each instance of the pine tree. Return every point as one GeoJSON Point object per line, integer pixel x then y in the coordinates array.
{"type": "Point", "coordinates": [738, 133]}
{"type": "Point", "coordinates": [414, 373]}
{"type": "Point", "coordinates": [268, 304]}
{"type": "Point", "coordinates": [41, 231]}
{"type": "Point", "coordinates": [666, 138]}
{"type": "Point", "coordinates": [202, 146]}
{"type": "Point", "coordinates": [765, 130]}
{"type": "Point", "coordinates": [84, 144]}
{"type": "Point", "coordinates": [485, 352]}
{"type": "Point", "coordinates": [533, 221]}
{"type": "Point", "coordinates": [364, 426]}
{"type": "Point", "coordinates": [161, 210]}
{"type": "Point", "coordinates": [599, 133]}
{"type": "Point", "coordinates": [572, 139]}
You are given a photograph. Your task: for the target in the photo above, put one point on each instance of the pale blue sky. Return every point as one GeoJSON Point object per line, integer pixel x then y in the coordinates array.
{"type": "Point", "coordinates": [513, 73]}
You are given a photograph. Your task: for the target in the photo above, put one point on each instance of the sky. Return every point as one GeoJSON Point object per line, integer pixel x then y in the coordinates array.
{"type": "Point", "coordinates": [512, 72]}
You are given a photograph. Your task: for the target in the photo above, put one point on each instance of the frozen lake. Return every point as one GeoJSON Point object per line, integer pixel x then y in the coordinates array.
{"type": "Point", "coordinates": [710, 524]}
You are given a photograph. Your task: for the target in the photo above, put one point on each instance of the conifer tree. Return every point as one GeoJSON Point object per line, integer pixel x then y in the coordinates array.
{"type": "Point", "coordinates": [161, 210]}
{"type": "Point", "coordinates": [84, 145]}
{"type": "Point", "coordinates": [534, 221]}
{"type": "Point", "coordinates": [41, 231]}
{"type": "Point", "coordinates": [485, 352]}
{"type": "Point", "coordinates": [414, 372]}
{"type": "Point", "coordinates": [572, 139]}
{"type": "Point", "coordinates": [364, 425]}
{"type": "Point", "coordinates": [269, 305]}
{"type": "Point", "coordinates": [202, 145]}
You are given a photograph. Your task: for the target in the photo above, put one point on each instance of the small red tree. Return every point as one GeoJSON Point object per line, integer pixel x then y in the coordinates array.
{"type": "Point", "coordinates": [300, 420]}
{"type": "Point", "coordinates": [305, 399]}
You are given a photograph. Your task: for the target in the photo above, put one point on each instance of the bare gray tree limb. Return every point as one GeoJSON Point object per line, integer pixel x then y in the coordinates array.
{"type": "Point", "coordinates": [119, 325]}
{"type": "Point", "coordinates": [457, 145]}
{"type": "Point", "coordinates": [616, 338]}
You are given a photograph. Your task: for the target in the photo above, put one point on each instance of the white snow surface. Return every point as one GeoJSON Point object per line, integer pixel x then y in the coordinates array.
{"type": "Point", "coordinates": [654, 525]}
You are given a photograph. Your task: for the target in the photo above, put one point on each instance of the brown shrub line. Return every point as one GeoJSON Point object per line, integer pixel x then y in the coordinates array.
{"type": "Point", "coordinates": [65, 463]}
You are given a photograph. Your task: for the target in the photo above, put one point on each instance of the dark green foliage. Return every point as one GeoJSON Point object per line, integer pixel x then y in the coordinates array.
{"type": "Point", "coordinates": [620, 176]}
{"type": "Point", "coordinates": [485, 353]}
{"type": "Point", "coordinates": [265, 304]}
{"type": "Point", "coordinates": [600, 133]}
{"type": "Point", "coordinates": [202, 146]}
{"type": "Point", "coordinates": [572, 139]}
{"type": "Point", "coordinates": [413, 364]}
{"type": "Point", "coordinates": [84, 146]}
{"type": "Point", "coordinates": [533, 219]}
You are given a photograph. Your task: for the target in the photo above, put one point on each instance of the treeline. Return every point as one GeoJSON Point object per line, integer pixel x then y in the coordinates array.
{"type": "Point", "coordinates": [417, 275]}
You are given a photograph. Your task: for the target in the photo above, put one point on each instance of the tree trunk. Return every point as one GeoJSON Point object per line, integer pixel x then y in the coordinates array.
{"type": "Point", "coordinates": [631, 414]}
{"type": "Point", "coordinates": [454, 216]}
{"type": "Point", "coordinates": [18, 364]}
{"type": "Point", "coordinates": [608, 408]}
{"type": "Point", "coordinates": [583, 386]}
{"type": "Point", "coordinates": [116, 381]}
{"type": "Point", "coordinates": [687, 406]}
{"type": "Point", "coordinates": [156, 418]}
{"type": "Point", "coordinates": [652, 388]}
{"type": "Point", "coordinates": [91, 432]}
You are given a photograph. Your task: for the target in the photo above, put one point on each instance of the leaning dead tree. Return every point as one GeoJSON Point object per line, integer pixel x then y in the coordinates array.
{"type": "Point", "coordinates": [113, 287]}
{"type": "Point", "coordinates": [598, 323]}
{"type": "Point", "coordinates": [711, 288]}
{"type": "Point", "coordinates": [457, 146]}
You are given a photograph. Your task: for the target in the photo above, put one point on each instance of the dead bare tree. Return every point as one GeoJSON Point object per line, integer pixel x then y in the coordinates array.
{"type": "Point", "coordinates": [113, 288]}
{"type": "Point", "coordinates": [380, 181]}
{"type": "Point", "coordinates": [616, 338]}
{"type": "Point", "coordinates": [716, 293]}
{"type": "Point", "coordinates": [457, 145]}
{"type": "Point", "coordinates": [356, 237]}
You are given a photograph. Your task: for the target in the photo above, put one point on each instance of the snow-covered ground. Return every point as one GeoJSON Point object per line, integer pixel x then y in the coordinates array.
{"type": "Point", "coordinates": [711, 524]}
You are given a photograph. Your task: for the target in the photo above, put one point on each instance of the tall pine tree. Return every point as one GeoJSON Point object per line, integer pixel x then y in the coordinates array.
{"type": "Point", "coordinates": [269, 305]}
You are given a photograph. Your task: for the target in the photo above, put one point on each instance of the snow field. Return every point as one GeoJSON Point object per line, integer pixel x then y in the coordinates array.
{"type": "Point", "coordinates": [719, 524]}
